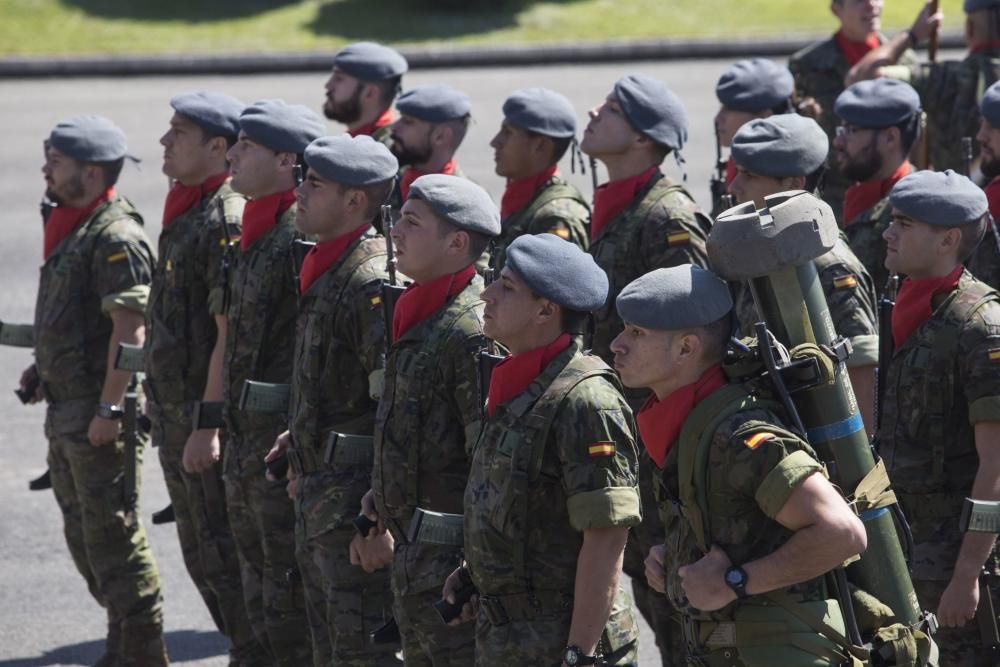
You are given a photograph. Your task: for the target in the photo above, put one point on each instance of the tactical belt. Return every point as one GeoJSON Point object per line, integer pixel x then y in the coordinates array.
{"type": "Point", "coordinates": [17, 335]}
{"type": "Point", "coordinates": [503, 609]}
{"type": "Point", "coordinates": [264, 397]}
{"type": "Point", "coordinates": [341, 450]}
{"type": "Point", "coordinates": [427, 527]}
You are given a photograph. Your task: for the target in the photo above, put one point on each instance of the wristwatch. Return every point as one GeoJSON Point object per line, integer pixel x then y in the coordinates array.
{"type": "Point", "coordinates": [574, 656]}
{"type": "Point", "coordinates": [736, 578]}
{"type": "Point", "coordinates": [109, 411]}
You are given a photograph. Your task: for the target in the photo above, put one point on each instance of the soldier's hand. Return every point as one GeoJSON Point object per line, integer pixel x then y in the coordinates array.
{"type": "Point", "coordinates": [28, 378]}
{"type": "Point", "coordinates": [372, 553]}
{"type": "Point", "coordinates": [293, 485]}
{"type": "Point", "coordinates": [926, 23]}
{"type": "Point", "coordinates": [958, 602]}
{"type": "Point", "coordinates": [201, 451]}
{"type": "Point", "coordinates": [281, 446]}
{"type": "Point", "coordinates": [452, 585]}
{"type": "Point", "coordinates": [103, 431]}
{"type": "Point", "coordinates": [368, 509]}
{"type": "Point", "coordinates": [654, 568]}
{"type": "Point", "coordinates": [704, 582]}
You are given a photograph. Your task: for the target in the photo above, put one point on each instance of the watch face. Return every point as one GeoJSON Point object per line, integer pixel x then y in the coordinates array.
{"type": "Point", "coordinates": [734, 577]}
{"type": "Point", "coordinates": [572, 657]}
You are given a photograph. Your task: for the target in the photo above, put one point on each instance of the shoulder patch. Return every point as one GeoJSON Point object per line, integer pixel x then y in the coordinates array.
{"type": "Point", "coordinates": [605, 448]}
{"type": "Point", "coordinates": [994, 354]}
{"type": "Point", "coordinates": [845, 282]}
{"type": "Point", "coordinates": [754, 441]}
{"type": "Point", "coordinates": [678, 238]}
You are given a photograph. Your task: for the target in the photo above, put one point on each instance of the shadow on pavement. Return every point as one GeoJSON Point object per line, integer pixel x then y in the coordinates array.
{"type": "Point", "coordinates": [182, 645]}
{"type": "Point", "coordinates": [189, 11]}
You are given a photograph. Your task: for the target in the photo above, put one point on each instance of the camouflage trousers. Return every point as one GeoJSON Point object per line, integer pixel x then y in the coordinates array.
{"type": "Point", "coordinates": [345, 603]}
{"type": "Point", "coordinates": [262, 518]}
{"type": "Point", "coordinates": [203, 529]}
{"type": "Point", "coordinates": [958, 647]}
{"type": "Point", "coordinates": [541, 640]}
{"type": "Point", "coordinates": [108, 547]}
{"type": "Point", "coordinates": [418, 574]}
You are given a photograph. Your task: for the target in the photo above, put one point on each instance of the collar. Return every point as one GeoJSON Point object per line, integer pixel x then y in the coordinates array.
{"type": "Point", "coordinates": [862, 196]}
{"type": "Point", "coordinates": [521, 191]}
{"type": "Point", "coordinates": [322, 256]}
{"type": "Point", "coordinates": [411, 174]}
{"type": "Point", "coordinates": [420, 301]}
{"type": "Point", "coordinates": [855, 51]}
{"type": "Point", "coordinates": [182, 198]}
{"type": "Point", "coordinates": [613, 197]}
{"type": "Point", "coordinates": [261, 215]}
{"type": "Point", "coordinates": [64, 219]}
{"type": "Point", "coordinates": [915, 302]}
{"type": "Point", "coordinates": [516, 372]}
{"type": "Point", "coordinates": [388, 117]}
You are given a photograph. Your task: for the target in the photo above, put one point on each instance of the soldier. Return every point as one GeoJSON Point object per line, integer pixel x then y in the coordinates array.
{"type": "Point", "coordinates": [432, 124]}
{"type": "Point", "coordinates": [642, 220]}
{"type": "Point", "coordinates": [748, 89]}
{"type": "Point", "coordinates": [431, 409]}
{"type": "Point", "coordinates": [940, 428]}
{"type": "Point", "coordinates": [880, 121]}
{"type": "Point", "coordinates": [184, 346]}
{"type": "Point", "coordinates": [552, 492]}
{"type": "Point", "coordinates": [788, 152]}
{"type": "Point", "coordinates": [758, 522]}
{"type": "Point", "coordinates": [92, 293]}
{"type": "Point", "coordinates": [539, 126]}
{"type": "Point", "coordinates": [985, 262]}
{"type": "Point", "coordinates": [365, 81]}
{"type": "Point", "coordinates": [260, 330]}
{"type": "Point", "coordinates": [820, 69]}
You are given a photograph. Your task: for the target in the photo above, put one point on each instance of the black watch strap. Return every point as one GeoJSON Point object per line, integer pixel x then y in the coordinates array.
{"type": "Point", "coordinates": [574, 655]}
{"type": "Point", "coordinates": [736, 579]}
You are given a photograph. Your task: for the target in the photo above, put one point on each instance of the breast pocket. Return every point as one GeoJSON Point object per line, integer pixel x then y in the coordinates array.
{"type": "Point", "coordinates": [508, 481]}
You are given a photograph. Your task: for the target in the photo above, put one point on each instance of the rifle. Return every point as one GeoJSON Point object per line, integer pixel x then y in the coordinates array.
{"type": "Point", "coordinates": [488, 358]}
{"type": "Point", "coordinates": [925, 142]}
{"type": "Point", "coordinates": [129, 358]}
{"type": "Point", "coordinates": [932, 43]}
{"type": "Point", "coordinates": [721, 199]}
{"type": "Point", "coordinates": [885, 347]}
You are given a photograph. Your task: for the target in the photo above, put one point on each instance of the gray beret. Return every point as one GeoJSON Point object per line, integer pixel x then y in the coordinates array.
{"type": "Point", "coordinates": [434, 104]}
{"type": "Point", "coordinates": [558, 271]}
{"type": "Point", "coordinates": [653, 109]}
{"type": "Point", "coordinates": [89, 139]}
{"type": "Point", "coordinates": [975, 5]}
{"type": "Point", "coordinates": [216, 113]}
{"type": "Point", "coordinates": [282, 127]}
{"type": "Point", "coordinates": [370, 61]}
{"type": "Point", "coordinates": [877, 103]}
{"type": "Point", "coordinates": [675, 298]}
{"type": "Point", "coordinates": [351, 160]}
{"type": "Point", "coordinates": [781, 146]}
{"type": "Point", "coordinates": [459, 201]}
{"type": "Point", "coordinates": [940, 198]}
{"type": "Point", "coordinates": [990, 105]}
{"type": "Point", "coordinates": [754, 85]}
{"type": "Point", "coordinates": [541, 110]}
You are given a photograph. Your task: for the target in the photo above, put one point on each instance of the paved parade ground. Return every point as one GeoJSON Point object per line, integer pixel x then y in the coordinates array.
{"type": "Point", "coordinates": [46, 615]}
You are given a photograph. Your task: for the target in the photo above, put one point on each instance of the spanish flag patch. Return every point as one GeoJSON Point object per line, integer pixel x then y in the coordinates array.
{"type": "Point", "coordinates": [376, 300]}
{"type": "Point", "coordinates": [117, 257]}
{"type": "Point", "coordinates": [561, 233]}
{"type": "Point", "coordinates": [753, 442]}
{"type": "Point", "coordinates": [844, 282]}
{"type": "Point", "coordinates": [601, 449]}
{"type": "Point", "coordinates": [994, 354]}
{"type": "Point", "coordinates": [678, 238]}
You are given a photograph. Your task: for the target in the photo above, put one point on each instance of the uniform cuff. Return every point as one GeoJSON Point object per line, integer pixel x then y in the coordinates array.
{"type": "Point", "coordinates": [864, 351]}
{"type": "Point", "coordinates": [133, 298]}
{"type": "Point", "coordinates": [781, 481]}
{"type": "Point", "coordinates": [216, 301]}
{"type": "Point", "coordinates": [614, 507]}
{"type": "Point", "coordinates": [986, 409]}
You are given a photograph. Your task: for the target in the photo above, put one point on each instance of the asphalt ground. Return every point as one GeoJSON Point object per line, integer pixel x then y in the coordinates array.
{"type": "Point", "coordinates": [47, 616]}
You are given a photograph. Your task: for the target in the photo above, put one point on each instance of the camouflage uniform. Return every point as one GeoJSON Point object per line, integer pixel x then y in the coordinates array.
{"type": "Point", "coordinates": [985, 261]}
{"type": "Point", "coordinates": [185, 297]}
{"type": "Point", "coordinates": [537, 482]}
{"type": "Point", "coordinates": [941, 382]}
{"type": "Point", "coordinates": [850, 295]}
{"type": "Point", "coordinates": [339, 345]}
{"type": "Point", "coordinates": [864, 235]}
{"type": "Point", "coordinates": [396, 198]}
{"type": "Point", "coordinates": [105, 263]}
{"type": "Point", "coordinates": [383, 135]}
{"type": "Point", "coordinates": [259, 335]}
{"type": "Point", "coordinates": [557, 208]}
{"type": "Point", "coordinates": [428, 420]}
{"type": "Point", "coordinates": [663, 227]}
{"type": "Point", "coordinates": [819, 72]}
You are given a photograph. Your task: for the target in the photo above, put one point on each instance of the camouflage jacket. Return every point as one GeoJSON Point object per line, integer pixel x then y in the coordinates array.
{"type": "Point", "coordinates": [105, 263]}
{"type": "Point", "coordinates": [260, 333]}
{"type": "Point", "coordinates": [819, 71]}
{"type": "Point", "coordinates": [383, 135]}
{"type": "Point", "coordinates": [864, 235]}
{"type": "Point", "coordinates": [941, 382]}
{"type": "Point", "coordinates": [950, 92]}
{"type": "Point", "coordinates": [188, 291]}
{"type": "Point", "coordinates": [396, 198]}
{"type": "Point", "coordinates": [662, 227]}
{"type": "Point", "coordinates": [985, 261]}
{"type": "Point", "coordinates": [558, 459]}
{"type": "Point", "coordinates": [850, 296]}
{"type": "Point", "coordinates": [753, 466]}
{"type": "Point", "coordinates": [557, 208]}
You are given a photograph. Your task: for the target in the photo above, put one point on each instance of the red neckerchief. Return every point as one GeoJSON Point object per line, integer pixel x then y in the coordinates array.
{"type": "Point", "coordinates": [988, 46]}
{"type": "Point", "coordinates": [324, 255]}
{"type": "Point", "coordinates": [513, 375]}
{"type": "Point", "coordinates": [611, 198]}
{"type": "Point", "coordinates": [260, 215]}
{"type": "Point", "coordinates": [992, 191]}
{"type": "Point", "coordinates": [64, 219]}
{"type": "Point", "coordinates": [914, 302]}
{"type": "Point", "coordinates": [387, 118]}
{"type": "Point", "coordinates": [862, 196]}
{"type": "Point", "coordinates": [418, 302]}
{"type": "Point", "coordinates": [181, 198]}
{"type": "Point", "coordinates": [730, 171]}
{"type": "Point", "coordinates": [411, 174]}
{"type": "Point", "coordinates": [521, 191]}
{"type": "Point", "coordinates": [855, 51]}
{"type": "Point", "coordinates": [660, 422]}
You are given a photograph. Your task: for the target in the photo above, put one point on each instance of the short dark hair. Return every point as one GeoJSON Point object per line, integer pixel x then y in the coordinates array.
{"type": "Point", "coordinates": [376, 194]}
{"type": "Point", "coordinates": [559, 144]}
{"type": "Point", "coordinates": [111, 170]}
{"type": "Point", "coordinates": [660, 152]}
{"type": "Point", "coordinates": [815, 180]}
{"type": "Point", "coordinates": [972, 236]}
{"type": "Point", "coordinates": [459, 128]}
{"type": "Point", "coordinates": [908, 131]}
{"type": "Point", "coordinates": [388, 89]}
{"type": "Point", "coordinates": [478, 242]}
{"type": "Point", "coordinates": [573, 321]}
{"type": "Point", "coordinates": [715, 336]}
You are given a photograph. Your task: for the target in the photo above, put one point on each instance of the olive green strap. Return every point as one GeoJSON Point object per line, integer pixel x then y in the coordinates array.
{"type": "Point", "coordinates": [785, 601]}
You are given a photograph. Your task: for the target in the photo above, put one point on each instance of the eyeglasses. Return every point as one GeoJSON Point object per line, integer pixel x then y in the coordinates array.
{"type": "Point", "coordinates": [851, 130]}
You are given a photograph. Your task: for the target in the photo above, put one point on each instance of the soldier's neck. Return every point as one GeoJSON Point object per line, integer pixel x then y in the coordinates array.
{"type": "Point", "coordinates": [435, 165]}
{"type": "Point", "coordinates": [534, 337]}
{"type": "Point", "coordinates": [368, 116]}
{"type": "Point", "coordinates": [628, 165]}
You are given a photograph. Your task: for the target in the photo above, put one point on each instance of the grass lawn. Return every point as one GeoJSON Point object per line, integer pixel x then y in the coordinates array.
{"type": "Point", "coordinates": [35, 27]}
